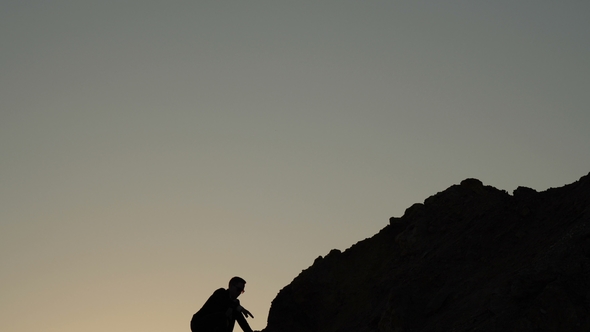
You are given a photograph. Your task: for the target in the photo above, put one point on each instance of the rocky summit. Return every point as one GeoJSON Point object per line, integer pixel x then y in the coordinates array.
{"type": "Point", "coordinates": [471, 258]}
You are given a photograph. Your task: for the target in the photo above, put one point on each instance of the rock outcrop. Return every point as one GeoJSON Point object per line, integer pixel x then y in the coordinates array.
{"type": "Point", "coordinates": [471, 258]}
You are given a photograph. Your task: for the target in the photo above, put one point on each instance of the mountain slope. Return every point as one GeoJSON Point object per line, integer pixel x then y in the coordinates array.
{"type": "Point", "coordinates": [471, 258]}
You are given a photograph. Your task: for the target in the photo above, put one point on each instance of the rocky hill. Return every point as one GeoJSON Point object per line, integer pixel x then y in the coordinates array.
{"type": "Point", "coordinates": [471, 258]}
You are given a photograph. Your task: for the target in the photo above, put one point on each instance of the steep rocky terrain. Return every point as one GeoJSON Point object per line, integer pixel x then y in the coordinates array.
{"type": "Point", "coordinates": [471, 258]}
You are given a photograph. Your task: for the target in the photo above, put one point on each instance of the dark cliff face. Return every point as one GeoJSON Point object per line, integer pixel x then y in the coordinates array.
{"type": "Point", "coordinates": [471, 258]}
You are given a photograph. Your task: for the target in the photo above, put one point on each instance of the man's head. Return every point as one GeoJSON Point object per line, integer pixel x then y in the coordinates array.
{"type": "Point", "coordinates": [236, 287]}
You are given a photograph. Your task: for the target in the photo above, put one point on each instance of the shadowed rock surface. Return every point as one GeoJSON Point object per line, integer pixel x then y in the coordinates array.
{"type": "Point", "coordinates": [471, 258]}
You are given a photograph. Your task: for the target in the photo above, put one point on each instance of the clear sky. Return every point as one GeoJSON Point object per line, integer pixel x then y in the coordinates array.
{"type": "Point", "coordinates": [151, 150]}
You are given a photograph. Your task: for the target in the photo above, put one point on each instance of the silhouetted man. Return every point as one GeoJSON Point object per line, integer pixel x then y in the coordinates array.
{"type": "Point", "coordinates": [222, 310]}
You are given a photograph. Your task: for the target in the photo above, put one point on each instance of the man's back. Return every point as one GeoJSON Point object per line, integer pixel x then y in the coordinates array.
{"type": "Point", "coordinates": [215, 315]}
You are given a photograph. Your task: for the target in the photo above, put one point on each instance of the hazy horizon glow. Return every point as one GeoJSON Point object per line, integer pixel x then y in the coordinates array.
{"type": "Point", "coordinates": [153, 150]}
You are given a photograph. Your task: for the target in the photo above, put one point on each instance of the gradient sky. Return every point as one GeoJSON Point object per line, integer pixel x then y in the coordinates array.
{"type": "Point", "coordinates": [151, 150]}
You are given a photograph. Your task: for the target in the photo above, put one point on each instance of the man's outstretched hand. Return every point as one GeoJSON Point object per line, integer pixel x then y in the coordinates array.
{"type": "Point", "coordinates": [246, 312]}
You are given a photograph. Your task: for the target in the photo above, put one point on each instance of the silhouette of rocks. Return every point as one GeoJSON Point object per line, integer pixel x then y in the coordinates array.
{"type": "Point", "coordinates": [471, 258]}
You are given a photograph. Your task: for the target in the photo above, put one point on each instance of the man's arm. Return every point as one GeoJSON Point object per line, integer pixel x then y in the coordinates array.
{"type": "Point", "coordinates": [244, 311]}
{"type": "Point", "coordinates": [243, 323]}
